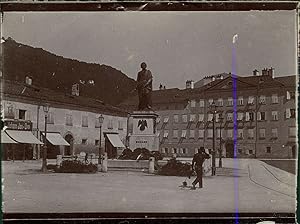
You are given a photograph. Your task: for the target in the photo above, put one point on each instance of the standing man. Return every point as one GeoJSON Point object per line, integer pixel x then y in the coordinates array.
{"type": "Point", "coordinates": [144, 88]}
{"type": "Point", "coordinates": [198, 160]}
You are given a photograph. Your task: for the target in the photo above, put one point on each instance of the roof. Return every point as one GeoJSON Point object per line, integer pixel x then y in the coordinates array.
{"type": "Point", "coordinates": [44, 95]}
{"type": "Point", "coordinates": [183, 95]}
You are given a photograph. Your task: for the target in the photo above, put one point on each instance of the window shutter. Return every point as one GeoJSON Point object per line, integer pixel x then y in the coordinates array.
{"type": "Point", "coordinates": [288, 95]}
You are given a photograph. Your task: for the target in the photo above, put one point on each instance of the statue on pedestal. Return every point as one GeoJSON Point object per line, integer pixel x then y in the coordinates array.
{"type": "Point", "coordinates": [144, 88]}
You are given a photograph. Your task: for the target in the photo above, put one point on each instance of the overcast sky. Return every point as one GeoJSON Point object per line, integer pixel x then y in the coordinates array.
{"type": "Point", "coordinates": [177, 46]}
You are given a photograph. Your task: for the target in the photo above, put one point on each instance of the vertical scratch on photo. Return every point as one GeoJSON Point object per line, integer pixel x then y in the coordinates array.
{"type": "Point", "coordinates": [234, 93]}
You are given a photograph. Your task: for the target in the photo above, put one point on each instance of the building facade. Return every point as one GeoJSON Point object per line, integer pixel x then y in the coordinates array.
{"type": "Point", "coordinates": [262, 116]}
{"type": "Point", "coordinates": [75, 118]}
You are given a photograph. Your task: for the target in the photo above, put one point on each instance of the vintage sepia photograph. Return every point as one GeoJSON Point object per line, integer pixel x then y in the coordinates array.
{"type": "Point", "coordinates": [168, 112]}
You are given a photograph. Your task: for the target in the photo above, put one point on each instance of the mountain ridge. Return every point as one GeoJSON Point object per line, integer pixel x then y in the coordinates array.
{"type": "Point", "coordinates": [47, 69]}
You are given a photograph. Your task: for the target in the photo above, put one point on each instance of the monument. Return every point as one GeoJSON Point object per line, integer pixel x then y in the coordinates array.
{"type": "Point", "coordinates": [142, 123]}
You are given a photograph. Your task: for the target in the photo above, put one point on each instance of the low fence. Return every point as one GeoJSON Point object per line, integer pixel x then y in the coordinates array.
{"type": "Point", "coordinates": [137, 165]}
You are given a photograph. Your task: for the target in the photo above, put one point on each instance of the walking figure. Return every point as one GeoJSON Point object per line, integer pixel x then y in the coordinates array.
{"type": "Point", "coordinates": [86, 158]}
{"type": "Point", "coordinates": [197, 163]}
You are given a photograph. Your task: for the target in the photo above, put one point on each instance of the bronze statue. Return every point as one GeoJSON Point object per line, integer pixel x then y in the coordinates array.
{"type": "Point", "coordinates": [144, 88]}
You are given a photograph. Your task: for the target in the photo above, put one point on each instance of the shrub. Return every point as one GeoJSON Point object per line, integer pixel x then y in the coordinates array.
{"type": "Point", "coordinates": [176, 168]}
{"type": "Point", "coordinates": [76, 166]}
{"type": "Point", "coordinates": [146, 154]}
{"type": "Point", "coordinates": [51, 167]}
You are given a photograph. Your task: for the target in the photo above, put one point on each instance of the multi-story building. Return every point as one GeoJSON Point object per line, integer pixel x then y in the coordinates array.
{"type": "Point", "coordinates": [71, 118]}
{"type": "Point", "coordinates": [265, 117]}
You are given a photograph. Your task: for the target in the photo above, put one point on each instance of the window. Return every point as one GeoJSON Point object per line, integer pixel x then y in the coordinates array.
{"type": "Point", "coordinates": [268, 149]}
{"type": "Point", "coordinates": [293, 113]}
{"type": "Point", "coordinates": [184, 118]}
{"type": "Point", "coordinates": [110, 124]}
{"type": "Point", "coordinates": [262, 133]}
{"type": "Point", "coordinates": [22, 114]}
{"type": "Point", "coordinates": [262, 99]}
{"type": "Point", "coordinates": [175, 150]}
{"type": "Point", "coordinates": [220, 102]}
{"type": "Point", "coordinates": [84, 141]}
{"type": "Point", "coordinates": [210, 117]}
{"type": "Point", "coordinates": [166, 119]}
{"type": "Point", "coordinates": [229, 101]}
{"type": "Point", "coordinates": [181, 151]}
{"type": "Point", "coordinates": [166, 150]}
{"type": "Point", "coordinates": [251, 133]}
{"type": "Point", "coordinates": [176, 118]}
{"type": "Point", "coordinates": [229, 133]}
{"type": "Point", "coordinates": [290, 95]}
{"type": "Point", "coordinates": [163, 150]}
{"type": "Point", "coordinates": [250, 151]}
{"type": "Point", "coordinates": [229, 117]}
{"type": "Point", "coordinates": [120, 125]}
{"type": "Point", "coordinates": [184, 150]}
{"type": "Point", "coordinates": [157, 120]}
{"type": "Point", "coordinates": [251, 100]}
{"type": "Point", "coordinates": [192, 134]}
{"type": "Point", "coordinates": [166, 133]}
{"type": "Point", "coordinates": [240, 116]}
{"type": "Point", "coordinates": [261, 116]}
{"type": "Point", "coordinates": [240, 133]}
{"type": "Point", "coordinates": [50, 118]}
{"type": "Point", "coordinates": [69, 120]}
{"type": "Point", "coordinates": [251, 116]}
{"type": "Point", "coordinates": [210, 101]}
{"type": "Point", "coordinates": [274, 116]}
{"type": "Point", "coordinates": [85, 121]}
{"type": "Point", "coordinates": [183, 134]}
{"type": "Point", "coordinates": [247, 117]}
{"type": "Point", "coordinates": [97, 142]}
{"type": "Point", "coordinates": [172, 150]}
{"type": "Point", "coordinates": [290, 113]}
{"type": "Point", "coordinates": [201, 133]}
{"type": "Point", "coordinates": [274, 133]}
{"type": "Point", "coordinates": [10, 112]}
{"type": "Point", "coordinates": [209, 133]}
{"type": "Point", "coordinates": [274, 98]}
{"type": "Point", "coordinates": [193, 103]}
{"type": "Point", "coordinates": [201, 103]}
{"type": "Point", "coordinates": [201, 117]}
{"type": "Point", "coordinates": [192, 117]}
{"type": "Point", "coordinates": [241, 100]}
{"type": "Point", "coordinates": [175, 133]}
{"type": "Point", "coordinates": [292, 131]}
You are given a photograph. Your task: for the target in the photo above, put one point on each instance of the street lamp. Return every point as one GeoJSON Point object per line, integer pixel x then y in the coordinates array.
{"type": "Point", "coordinates": [213, 108]}
{"type": "Point", "coordinates": [101, 119]}
{"type": "Point", "coordinates": [44, 164]}
{"type": "Point", "coordinates": [220, 150]}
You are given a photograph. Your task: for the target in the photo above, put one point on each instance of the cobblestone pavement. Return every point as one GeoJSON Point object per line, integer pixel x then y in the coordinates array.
{"type": "Point", "coordinates": [262, 189]}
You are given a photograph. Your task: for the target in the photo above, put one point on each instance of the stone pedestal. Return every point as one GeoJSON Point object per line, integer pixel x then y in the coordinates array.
{"type": "Point", "coordinates": [143, 132]}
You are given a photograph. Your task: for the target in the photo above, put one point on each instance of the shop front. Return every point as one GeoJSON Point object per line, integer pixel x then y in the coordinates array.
{"type": "Point", "coordinates": [17, 140]}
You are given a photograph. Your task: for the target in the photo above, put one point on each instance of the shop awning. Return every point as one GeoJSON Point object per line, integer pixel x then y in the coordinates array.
{"type": "Point", "coordinates": [115, 140]}
{"type": "Point", "coordinates": [23, 137]}
{"type": "Point", "coordinates": [6, 139]}
{"type": "Point", "coordinates": [56, 139]}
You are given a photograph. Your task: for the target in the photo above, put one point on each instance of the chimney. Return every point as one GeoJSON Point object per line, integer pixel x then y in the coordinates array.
{"type": "Point", "coordinates": [271, 72]}
{"type": "Point", "coordinates": [189, 84]}
{"type": "Point", "coordinates": [164, 87]}
{"type": "Point", "coordinates": [264, 72]}
{"type": "Point", "coordinates": [160, 87]}
{"type": "Point", "coordinates": [75, 89]}
{"type": "Point", "coordinates": [28, 80]}
{"type": "Point", "coordinates": [255, 72]}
